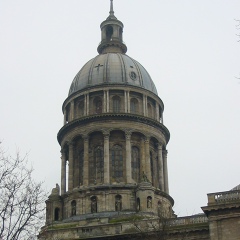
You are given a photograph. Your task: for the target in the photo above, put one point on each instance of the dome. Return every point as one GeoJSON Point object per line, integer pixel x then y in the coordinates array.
{"type": "Point", "coordinates": [112, 68]}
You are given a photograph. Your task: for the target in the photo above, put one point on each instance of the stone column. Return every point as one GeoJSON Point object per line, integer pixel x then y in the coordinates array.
{"type": "Point", "coordinates": [72, 110]}
{"type": "Point", "coordinates": [143, 157]}
{"type": "Point", "coordinates": [63, 172]}
{"type": "Point", "coordinates": [104, 101]}
{"type": "Point", "coordinates": [165, 171]}
{"type": "Point", "coordinates": [147, 160]}
{"type": "Point", "coordinates": [106, 158]}
{"type": "Point", "coordinates": [157, 111]}
{"type": "Point", "coordinates": [128, 101]}
{"type": "Point", "coordinates": [85, 162]}
{"type": "Point", "coordinates": [128, 157]}
{"type": "Point", "coordinates": [125, 102]}
{"type": "Point", "coordinates": [160, 167]}
{"type": "Point", "coordinates": [107, 93]}
{"type": "Point", "coordinates": [64, 116]}
{"type": "Point", "coordinates": [144, 105]}
{"type": "Point", "coordinates": [87, 104]}
{"type": "Point", "coordinates": [70, 170]}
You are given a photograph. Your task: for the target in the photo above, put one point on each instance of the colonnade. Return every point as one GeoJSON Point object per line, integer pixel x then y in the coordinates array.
{"type": "Point", "coordinates": [106, 106]}
{"type": "Point", "coordinates": [145, 164]}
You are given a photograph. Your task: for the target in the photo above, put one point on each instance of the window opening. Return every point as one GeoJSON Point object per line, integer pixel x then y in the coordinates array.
{"type": "Point", "coordinates": [73, 208]}
{"type": "Point", "coordinates": [135, 164]}
{"type": "Point", "coordinates": [149, 202]}
{"type": "Point", "coordinates": [116, 104]}
{"type": "Point", "coordinates": [93, 204]}
{"type": "Point", "coordinates": [98, 106]}
{"type": "Point", "coordinates": [117, 162]}
{"type": "Point", "coordinates": [118, 203]}
{"type": "Point", "coordinates": [56, 214]}
{"type": "Point", "coordinates": [109, 33]}
{"type": "Point", "coordinates": [133, 105]}
{"type": "Point", "coordinates": [138, 204]}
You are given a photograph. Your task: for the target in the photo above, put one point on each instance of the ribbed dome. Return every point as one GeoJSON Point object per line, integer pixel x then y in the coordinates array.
{"type": "Point", "coordinates": [112, 68]}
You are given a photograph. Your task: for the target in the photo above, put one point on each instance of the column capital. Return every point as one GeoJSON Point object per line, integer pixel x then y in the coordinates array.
{"type": "Point", "coordinates": [159, 145]}
{"type": "Point", "coordinates": [128, 135]}
{"type": "Point", "coordinates": [85, 137]}
{"type": "Point", "coordinates": [147, 139]}
{"type": "Point", "coordinates": [165, 153]}
{"type": "Point", "coordinates": [106, 136]}
{"type": "Point", "coordinates": [106, 133]}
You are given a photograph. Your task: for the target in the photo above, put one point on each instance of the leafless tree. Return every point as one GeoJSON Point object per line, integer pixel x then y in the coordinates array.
{"type": "Point", "coordinates": [21, 199]}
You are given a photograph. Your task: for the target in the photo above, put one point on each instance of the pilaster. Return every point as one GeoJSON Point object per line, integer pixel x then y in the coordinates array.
{"type": "Point", "coordinates": [147, 163]}
{"type": "Point", "coordinates": [72, 110]}
{"type": "Point", "coordinates": [165, 152]}
{"type": "Point", "coordinates": [160, 167]}
{"type": "Point", "coordinates": [70, 170]}
{"type": "Point", "coordinates": [85, 161]}
{"type": "Point", "coordinates": [128, 157]}
{"type": "Point", "coordinates": [63, 172]}
{"type": "Point", "coordinates": [106, 158]}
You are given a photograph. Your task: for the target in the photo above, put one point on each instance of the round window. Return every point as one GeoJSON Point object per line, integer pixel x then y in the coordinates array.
{"type": "Point", "coordinates": [133, 75]}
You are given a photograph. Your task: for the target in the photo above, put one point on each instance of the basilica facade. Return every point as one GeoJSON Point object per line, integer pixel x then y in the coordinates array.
{"type": "Point", "coordinates": [114, 175]}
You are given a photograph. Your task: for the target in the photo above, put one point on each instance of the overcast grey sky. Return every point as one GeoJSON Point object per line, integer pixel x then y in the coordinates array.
{"type": "Point", "coordinates": [190, 49]}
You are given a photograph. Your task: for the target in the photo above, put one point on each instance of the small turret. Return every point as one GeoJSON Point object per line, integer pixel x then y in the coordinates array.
{"type": "Point", "coordinates": [112, 40]}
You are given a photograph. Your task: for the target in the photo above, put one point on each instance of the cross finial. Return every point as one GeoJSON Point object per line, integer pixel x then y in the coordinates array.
{"type": "Point", "coordinates": [111, 8]}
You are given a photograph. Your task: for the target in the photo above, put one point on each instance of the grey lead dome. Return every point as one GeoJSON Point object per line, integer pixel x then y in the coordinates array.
{"type": "Point", "coordinates": [112, 68]}
{"type": "Point", "coordinates": [112, 65]}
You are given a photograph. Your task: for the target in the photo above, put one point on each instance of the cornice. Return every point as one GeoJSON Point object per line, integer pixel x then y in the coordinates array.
{"type": "Point", "coordinates": [112, 116]}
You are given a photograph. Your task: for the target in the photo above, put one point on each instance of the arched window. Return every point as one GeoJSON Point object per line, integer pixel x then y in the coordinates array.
{"type": "Point", "coordinates": [134, 105]}
{"type": "Point", "coordinates": [81, 159]}
{"type": "Point", "coordinates": [99, 161]}
{"type": "Point", "coordinates": [56, 214]}
{"type": "Point", "coordinates": [135, 164]}
{"type": "Point", "coordinates": [149, 202]}
{"type": "Point", "coordinates": [98, 105]}
{"type": "Point", "coordinates": [120, 33]}
{"type": "Point", "coordinates": [138, 204]}
{"type": "Point", "coordinates": [67, 113]}
{"type": "Point", "coordinates": [118, 203]}
{"type": "Point", "coordinates": [109, 32]}
{"type": "Point", "coordinates": [81, 108]}
{"type": "Point", "coordinates": [116, 104]}
{"type": "Point", "coordinates": [152, 168]}
{"type": "Point", "coordinates": [93, 204]}
{"type": "Point", "coordinates": [117, 162]}
{"type": "Point", "coordinates": [150, 110]}
{"type": "Point", "coordinates": [96, 166]}
{"type": "Point", "coordinates": [73, 208]}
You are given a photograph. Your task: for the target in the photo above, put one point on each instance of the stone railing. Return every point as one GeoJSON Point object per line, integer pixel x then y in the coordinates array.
{"type": "Point", "coordinates": [195, 219]}
{"type": "Point", "coordinates": [223, 197]}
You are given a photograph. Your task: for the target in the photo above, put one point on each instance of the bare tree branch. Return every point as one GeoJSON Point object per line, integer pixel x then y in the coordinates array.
{"type": "Point", "coordinates": [22, 199]}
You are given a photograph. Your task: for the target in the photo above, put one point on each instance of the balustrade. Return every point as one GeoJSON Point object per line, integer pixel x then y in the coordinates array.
{"type": "Point", "coordinates": [223, 197]}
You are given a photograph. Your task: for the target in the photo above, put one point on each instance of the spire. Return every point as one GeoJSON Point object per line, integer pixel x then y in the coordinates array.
{"type": "Point", "coordinates": [111, 8]}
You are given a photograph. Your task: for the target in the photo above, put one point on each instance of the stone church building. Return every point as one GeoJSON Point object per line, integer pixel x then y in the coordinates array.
{"type": "Point", "coordinates": [114, 174]}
